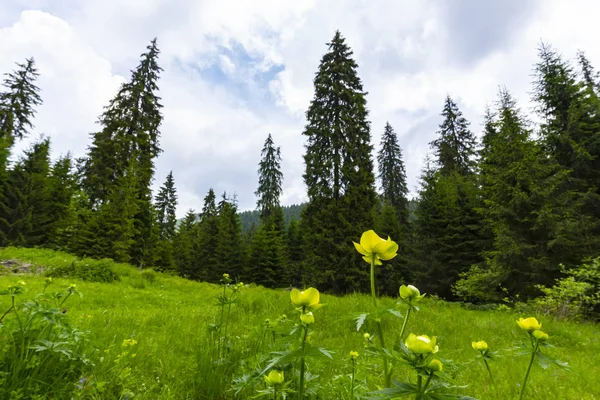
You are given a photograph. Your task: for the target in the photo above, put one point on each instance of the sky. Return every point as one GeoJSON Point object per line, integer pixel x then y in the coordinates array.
{"type": "Point", "coordinates": [235, 71]}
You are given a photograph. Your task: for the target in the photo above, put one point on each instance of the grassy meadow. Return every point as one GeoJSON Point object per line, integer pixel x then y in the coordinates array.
{"type": "Point", "coordinates": [150, 337]}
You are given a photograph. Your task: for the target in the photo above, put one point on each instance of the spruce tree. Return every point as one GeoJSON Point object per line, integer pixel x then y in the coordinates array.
{"type": "Point", "coordinates": [392, 218]}
{"type": "Point", "coordinates": [206, 261]}
{"type": "Point", "coordinates": [455, 145]}
{"type": "Point", "coordinates": [338, 175]}
{"type": "Point", "coordinates": [449, 234]}
{"type": "Point", "coordinates": [183, 244]}
{"type": "Point", "coordinates": [227, 249]}
{"type": "Point", "coordinates": [570, 132]}
{"type": "Point", "coordinates": [294, 253]}
{"type": "Point", "coordinates": [130, 136]}
{"type": "Point", "coordinates": [62, 190]}
{"type": "Point", "coordinates": [30, 202]}
{"type": "Point", "coordinates": [166, 204]}
{"type": "Point", "coordinates": [521, 188]}
{"type": "Point", "coordinates": [269, 180]}
{"type": "Point", "coordinates": [18, 99]}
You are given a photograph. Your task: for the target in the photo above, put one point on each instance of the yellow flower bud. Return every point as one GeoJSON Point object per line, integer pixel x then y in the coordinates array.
{"type": "Point", "coordinates": [539, 335]}
{"type": "Point", "coordinates": [374, 249]}
{"type": "Point", "coordinates": [307, 318]}
{"type": "Point", "coordinates": [421, 344]}
{"type": "Point", "coordinates": [367, 336]}
{"type": "Point", "coordinates": [409, 292]}
{"type": "Point", "coordinates": [274, 378]}
{"type": "Point", "coordinates": [480, 346]}
{"type": "Point", "coordinates": [354, 355]}
{"type": "Point", "coordinates": [21, 283]}
{"type": "Point", "coordinates": [435, 365]}
{"type": "Point", "coordinates": [308, 298]}
{"type": "Point", "coordinates": [226, 276]}
{"type": "Point", "coordinates": [529, 324]}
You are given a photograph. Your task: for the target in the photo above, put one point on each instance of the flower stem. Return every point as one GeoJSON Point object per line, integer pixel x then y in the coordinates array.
{"type": "Point", "coordinates": [427, 382]}
{"type": "Point", "coordinates": [386, 373]}
{"type": "Point", "coordinates": [487, 366]}
{"type": "Point", "coordinates": [419, 384]}
{"type": "Point", "coordinates": [405, 321]}
{"type": "Point", "coordinates": [302, 366]}
{"type": "Point", "coordinates": [535, 348]}
{"type": "Point", "coordinates": [352, 384]}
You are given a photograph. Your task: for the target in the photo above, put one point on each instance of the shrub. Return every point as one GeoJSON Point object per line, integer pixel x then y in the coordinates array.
{"type": "Point", "coordinates": [87, 270]}
{"type": "Point", "coordinates": [478, 283]}
{"type": "Point", "coordinates": [575, 296]}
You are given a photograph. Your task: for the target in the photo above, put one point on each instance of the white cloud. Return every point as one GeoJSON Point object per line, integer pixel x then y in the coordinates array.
{"type": "Point", "coordinates": [410, 55]}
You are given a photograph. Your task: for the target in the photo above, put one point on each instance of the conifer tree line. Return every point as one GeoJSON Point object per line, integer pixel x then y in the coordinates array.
{"type": "Point", "coordinates": [498, 210]}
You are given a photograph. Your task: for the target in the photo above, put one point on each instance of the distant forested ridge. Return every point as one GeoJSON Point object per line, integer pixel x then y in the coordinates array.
{"type": "Point", "coordinates": [501, 210]}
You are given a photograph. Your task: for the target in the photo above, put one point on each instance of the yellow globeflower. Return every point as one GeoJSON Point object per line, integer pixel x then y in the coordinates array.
{"type": "Point", "coordinates": [308, 299]}
{"type": "Point", "coordinates": [410, 292]}
{"type": "Point", "coordinates": [374, 249]}
{"type": "Point", "coordinates": [354, 355]}
{"type": "Point", "coordinates": [421, 344]}
{"type": "Point", "coordinates": [529, 324]}
{"type": "Point", "coordinates": [539, 335]}
{"type": "Point", "coordinates": [307, 318]}
{"type": "Point", "coordinates": [274, 378]}
{"type": "Point", "coordinates": [480, 346]}
{"type": "Point", "coordinates": [435, 365]}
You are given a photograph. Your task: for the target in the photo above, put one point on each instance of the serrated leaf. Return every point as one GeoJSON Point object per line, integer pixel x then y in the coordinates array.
{"type": "Point", "coordinates": [395, 312]}
{"type": "Point", "coordinates": [360, 320]}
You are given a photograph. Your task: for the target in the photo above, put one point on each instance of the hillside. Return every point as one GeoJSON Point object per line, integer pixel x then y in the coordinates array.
{"type": "Point", "coordinates": [152, 336]}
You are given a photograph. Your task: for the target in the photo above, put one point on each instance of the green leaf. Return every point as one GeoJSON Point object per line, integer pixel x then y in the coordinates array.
{"type": "Point", "coordinates": [360, 320]}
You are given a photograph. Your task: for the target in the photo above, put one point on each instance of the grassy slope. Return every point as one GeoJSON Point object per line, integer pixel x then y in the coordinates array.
{"type": "Point", "coordinates": [169, 317]}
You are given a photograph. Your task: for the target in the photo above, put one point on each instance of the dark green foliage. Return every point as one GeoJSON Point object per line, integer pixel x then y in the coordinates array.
{"type": "Point", "coordinates": [266, 261]}
{"type": "Point", "coordinates": [251, 219]}
{"type": "Point", "coordinates": [129, 136]}
{"type": "Point", "coordinates": [183, 244]}
{"type": "Point", "coordinates": [523, 204]}
{"type": "Point", "coordinates": [62, 190]}
{"type": "Point", "coordinates": [455, 146]}
{"type": "Point", "coordinates": [392, 219]}
{"type": "Point", "coordinates": [206, 240]}
{"type": "Point", "coordinates": [87, 270]}
{"type": "Point", "coordinates": [295, 253]}
{"type": "Point", "coordinates": [339, 174]}
{"type": "Point", "coordinates": [166, 204]}
{"type": "Point", "coordinates": [269, 180]}
{"type": "Point", "coordinates": [449, 236]}
{"type": "Point", "coordinates": [29, 198]}
{"type": "Point", "coordinates": [18, 99]}
{"type": "Point", "coordinates": [227, 248]}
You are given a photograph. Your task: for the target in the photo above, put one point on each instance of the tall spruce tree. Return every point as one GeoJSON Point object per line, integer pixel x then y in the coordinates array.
{"type": "Point", "coordinates": [570, 132]}
{"type": "Point", "coordinates": [62, 190]}
{"type": "Point", "coordinates": [130, 136]}
{"type": "Point", "coordinates": [206, 261]}
{"type": "Point", "coordinates": [227, 242]}
{"type": "Point", "coordinates": [392, 219]}
{"type": "Point", "coordinates": [270, 180]}
{"type": "Point", "coordinates": [455, 145]}
{"type": "Point", "coordinates": [183, 244]}
{"type": "Point", "coordinates": [166, 206]}
{"type": "Point", "coordinates": [451, 236]}
{"type": "Point", "coordinates": [18, 99]}
{"type": "Point", "coordinates": [338, 175]}
{"type": "Point", "coordinates": [523, 204]}
{"type": "Point", "coordinates": [30, 202]}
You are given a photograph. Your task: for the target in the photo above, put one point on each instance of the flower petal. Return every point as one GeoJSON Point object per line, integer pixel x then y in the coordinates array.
{"type": "Point", "coordinates": [369, 240]}
{"type": "Point", "coordinates": [360, 249]}
{"type": "Point", "coordinates": [296, 297]}
{"type": "Point", "coordinates": [312, 295]}
{"type": "Point", "coordinates": [386, 249]}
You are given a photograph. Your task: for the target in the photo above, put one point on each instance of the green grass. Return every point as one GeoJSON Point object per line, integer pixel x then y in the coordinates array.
{"type": "Point", "coordinates": [169, 317]}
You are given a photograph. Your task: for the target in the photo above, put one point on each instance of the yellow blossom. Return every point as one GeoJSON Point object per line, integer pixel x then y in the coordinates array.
{"type": "Point", "coordinates": [529, 324]}
{"type": "Point", "coordinates": [410, 293]}
{"type": "Point", "coordinates": [307, 299]}
{"type": "Point", "coordinates": [480, 345]}
{"type": "Point", "coordinates": [274, 378]}
{"type": "Point", "coordinates": [421, 344]}
{"type": "Point", "coordinates": [374, 249]}
{"type": "Point", "coordinates": [539, 335]}
{"type": "Point", "coordinates": [307, 318]}
{"type": "Point", "coordinates": [354, 355]}
{"type": "Point", "coordinates": [435, 365]}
